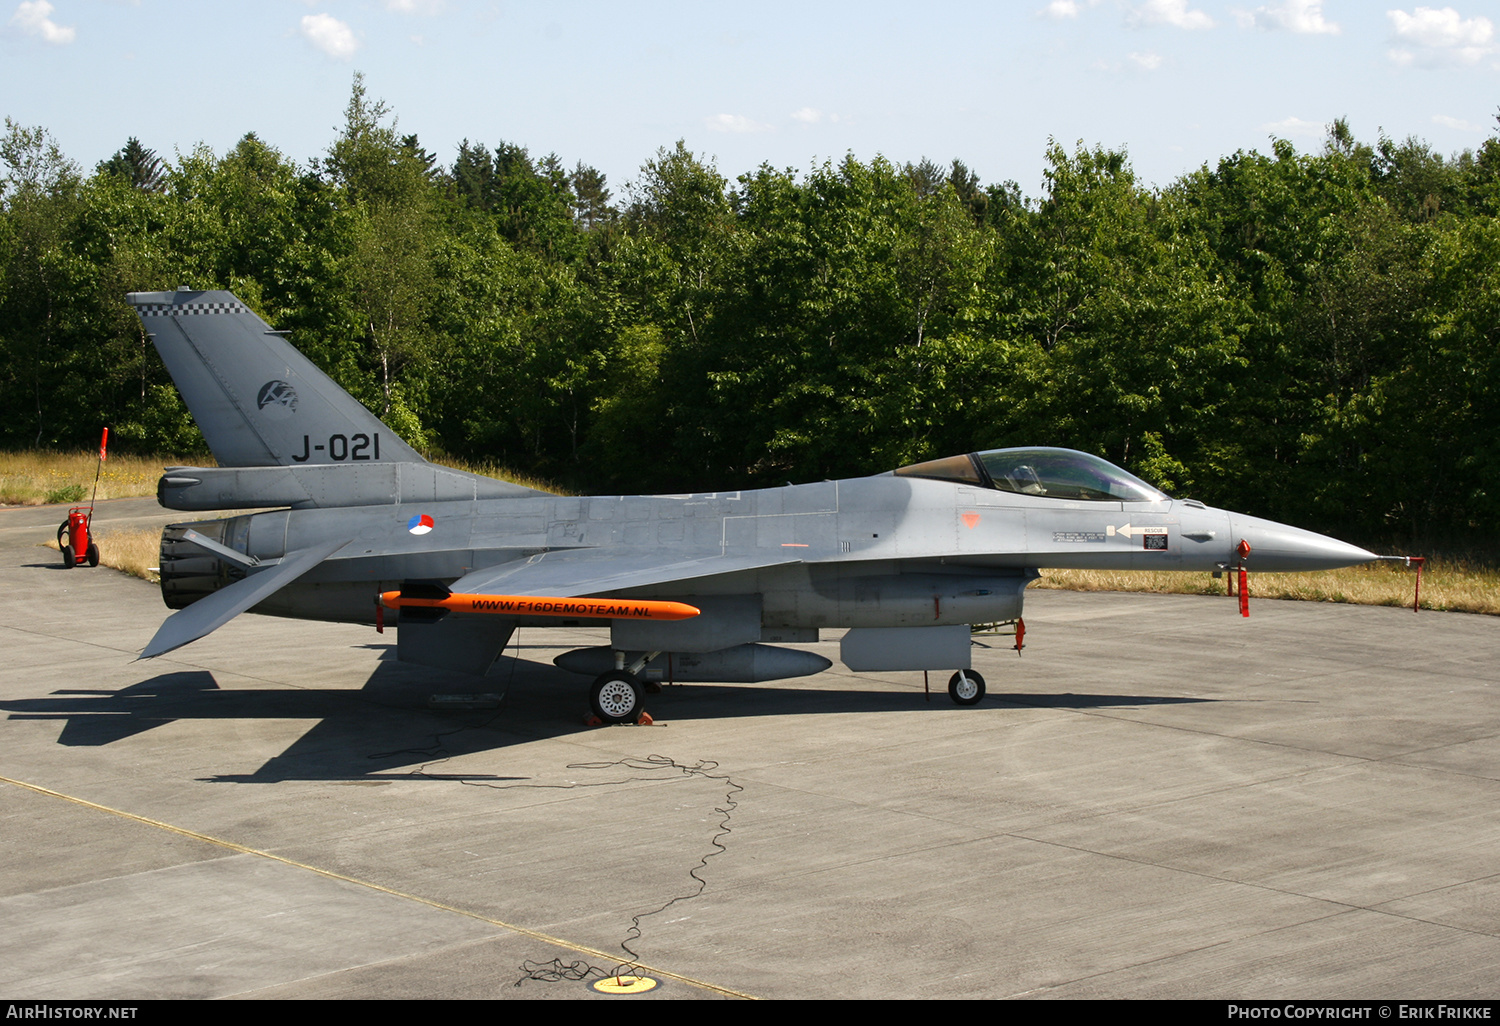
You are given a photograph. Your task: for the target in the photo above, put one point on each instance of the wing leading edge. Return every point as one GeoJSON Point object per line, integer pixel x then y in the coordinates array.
{"type": "Point", "coordinates": [587, 572]}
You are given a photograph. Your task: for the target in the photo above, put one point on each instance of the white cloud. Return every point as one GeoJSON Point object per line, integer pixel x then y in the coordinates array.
{"type": "Point", "coordinates": [734, 123]}
{"type": "Point", "coordinates": [1439, 37]}
{"type": "Point", "coordinates": [1066, 10]}
{"type": "Point", "coordinates": [1295, 126]}
{"type": "Point", "coordinates": [34, 17]}
{"type": "Point", "coordinates": [1456, 123]}
{"type": "Point", "coordinates": [807, 115]}
{"type": "Point", "coordinates": [1145, 61]}
{"type": "Point", "coordinates": [330, 35]}
{"type": "Point", "coordinates": [1168, 12]}
{"type": "Point", "coordinates": [427, 7]}
{"type": "Point", "coordinates": [1301, 16]}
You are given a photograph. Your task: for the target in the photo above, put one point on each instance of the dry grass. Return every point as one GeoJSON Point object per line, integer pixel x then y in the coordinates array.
{"type": "Point", "coordinates": [504, 474]}
{"type": "Point", "coordinates": [36, 478]}
{"type": "Point", "coordinates": [135, 552]}
{"type": "Point", "coordinates": [1453, 586]}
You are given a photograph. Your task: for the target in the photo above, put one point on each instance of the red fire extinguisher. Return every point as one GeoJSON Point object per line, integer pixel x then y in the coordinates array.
{"type": "Point", "coordinates": [79, 547]}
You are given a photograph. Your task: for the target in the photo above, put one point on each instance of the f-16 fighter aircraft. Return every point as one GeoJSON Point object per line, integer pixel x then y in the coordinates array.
{"type": "Point", "coordinates": [688, 585]}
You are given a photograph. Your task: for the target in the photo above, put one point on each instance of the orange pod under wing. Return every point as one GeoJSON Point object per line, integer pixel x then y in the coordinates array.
{"type": "Point", "coordinates": [548, 605]}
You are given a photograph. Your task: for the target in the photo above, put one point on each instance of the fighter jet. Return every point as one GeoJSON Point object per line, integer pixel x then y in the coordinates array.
{"type": "Point", "coordinates": [696, 587]}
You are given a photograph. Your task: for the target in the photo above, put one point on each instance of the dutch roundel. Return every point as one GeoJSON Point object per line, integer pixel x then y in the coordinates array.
{"type": "Point", "coordinates": [419, 524]}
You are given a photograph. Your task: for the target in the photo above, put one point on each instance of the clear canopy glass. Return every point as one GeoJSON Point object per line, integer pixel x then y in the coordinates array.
{"type": "Point", "coordinates": [1053, 473]}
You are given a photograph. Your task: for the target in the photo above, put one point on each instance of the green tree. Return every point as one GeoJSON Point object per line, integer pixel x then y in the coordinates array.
{"type": "Point", "coordinates": [388, 264]}
{"type": "Point", "coordinates": [43, 316]}
{"type": "Point", "coordinates": [141, 167]}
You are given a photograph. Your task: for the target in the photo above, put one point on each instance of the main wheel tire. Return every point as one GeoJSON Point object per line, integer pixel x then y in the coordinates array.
{"type": "Point", "coordinates": [966, 687]}
{"type": "Point", "coordinates": [93, 554]}
{"type": "Point", "coordinates": [68, 561]}
{"type": "Point", "coordinates": [616, 697]}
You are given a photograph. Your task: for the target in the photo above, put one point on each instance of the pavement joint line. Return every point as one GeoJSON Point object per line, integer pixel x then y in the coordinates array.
{"type": "Point", "coordinates": [1344, 906]}
{"type": "Point", "coordinates": [1341, 906]}
{"type": "Point", "coordinates": [65, 635]}
{"type": "Point", "coordinates": [1172, 955]}
{"type": "Point", "coordinates": [1188, 729]}
{"type": "Point", "coordinates": [331, 875]}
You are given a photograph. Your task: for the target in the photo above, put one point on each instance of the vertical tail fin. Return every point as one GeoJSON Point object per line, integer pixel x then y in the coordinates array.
{"type": "Point", "coordinates": [258, 402]}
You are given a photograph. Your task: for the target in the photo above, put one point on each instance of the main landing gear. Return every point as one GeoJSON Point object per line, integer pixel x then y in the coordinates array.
{"type": "Point", "coordinates": [617, 696]}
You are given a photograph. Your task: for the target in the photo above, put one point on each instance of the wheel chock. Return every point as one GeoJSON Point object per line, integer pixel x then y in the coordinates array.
{"type": "Point", "coordinates": [645, 721]}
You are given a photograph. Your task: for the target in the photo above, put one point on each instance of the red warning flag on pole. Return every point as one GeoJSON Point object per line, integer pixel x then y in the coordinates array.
{"type": "Point", "coordinates": [103, 444]}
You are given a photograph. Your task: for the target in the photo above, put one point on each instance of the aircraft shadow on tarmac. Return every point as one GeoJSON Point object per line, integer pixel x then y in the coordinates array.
{"type": "Point", "coordinates": [385, 730]}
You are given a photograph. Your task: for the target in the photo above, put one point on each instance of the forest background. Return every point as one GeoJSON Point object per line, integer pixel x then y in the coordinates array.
{"type": "Point", "coordinates": [1306, 336]}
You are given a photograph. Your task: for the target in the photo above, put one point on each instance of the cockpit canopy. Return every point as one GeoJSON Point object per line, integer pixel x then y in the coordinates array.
{"type": "Point", "coordinates": [1053, 473]}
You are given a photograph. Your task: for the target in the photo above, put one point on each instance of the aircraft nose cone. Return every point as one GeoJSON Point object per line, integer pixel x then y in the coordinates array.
{"type": "Point", "coordinates": [1279, 547]}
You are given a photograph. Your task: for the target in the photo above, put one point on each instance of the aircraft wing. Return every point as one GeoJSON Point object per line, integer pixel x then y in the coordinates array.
{"type": "Point", "coordinates": [583, 572]}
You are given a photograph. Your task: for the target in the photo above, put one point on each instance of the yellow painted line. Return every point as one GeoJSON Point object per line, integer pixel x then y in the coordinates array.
{"type": "Point", "coordinates": [243, 850]}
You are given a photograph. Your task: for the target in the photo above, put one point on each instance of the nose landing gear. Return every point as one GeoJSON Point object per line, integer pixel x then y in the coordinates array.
{"type": "Point", "coordinates": [966, 687]}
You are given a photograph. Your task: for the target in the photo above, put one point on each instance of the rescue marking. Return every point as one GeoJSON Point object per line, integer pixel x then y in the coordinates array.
{"type": "Point", "coordinates": [970, 519]}
{"type": "Point", "coordinates": [1153, 539]}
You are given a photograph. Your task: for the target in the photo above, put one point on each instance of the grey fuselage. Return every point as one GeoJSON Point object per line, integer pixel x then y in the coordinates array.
{"type": "Point", "coordinates": [882, 551]}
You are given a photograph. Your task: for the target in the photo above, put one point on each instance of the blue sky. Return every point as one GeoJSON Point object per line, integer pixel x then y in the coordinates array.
{"type": "Point", "coordinates": [1176, 82]}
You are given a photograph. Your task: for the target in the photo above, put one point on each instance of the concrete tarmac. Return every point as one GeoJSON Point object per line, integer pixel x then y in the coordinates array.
{"type": "Point", "coordinates": [1157, 799]}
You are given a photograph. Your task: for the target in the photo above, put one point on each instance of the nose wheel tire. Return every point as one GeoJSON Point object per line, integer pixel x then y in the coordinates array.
{"type": "Point", "coordinates": [966, 687]}
{"type": "Point", "coordinates": [616, 697]}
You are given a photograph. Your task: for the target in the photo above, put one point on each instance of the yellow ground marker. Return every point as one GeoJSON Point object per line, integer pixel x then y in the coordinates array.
{"type": "Point", "coordinates": [624, 985]}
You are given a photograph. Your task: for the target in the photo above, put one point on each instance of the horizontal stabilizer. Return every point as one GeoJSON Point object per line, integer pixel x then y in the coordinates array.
{"type": "Point", "coordinates": [210, 613]}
